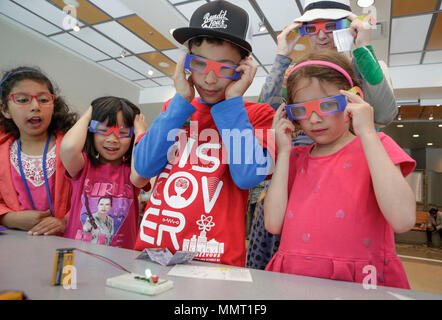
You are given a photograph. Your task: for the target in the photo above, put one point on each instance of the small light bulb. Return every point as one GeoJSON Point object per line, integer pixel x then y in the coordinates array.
{"type": "Point", "coordinates": [148, 273]}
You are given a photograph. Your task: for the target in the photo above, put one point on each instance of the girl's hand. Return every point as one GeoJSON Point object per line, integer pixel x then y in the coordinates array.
{"type": "Point", "coordinates": [286, 46]}
{"type": "Point", "coordinates": [361, 113]}
{"type": "Point", "coordinates": [184, 87]}
{"type": "Point", "coordinates": [284, 129]}
{"type": "Point", "coordinates": [140, 125]}
{"type": "Point", "coordinates": [361, 31]}
{"type": "Point", "coordinates": [48, 226]}
{"type": "Point", "coordinates": [237, 88]}
{"type": "Point", "coordinates": [24, 220]}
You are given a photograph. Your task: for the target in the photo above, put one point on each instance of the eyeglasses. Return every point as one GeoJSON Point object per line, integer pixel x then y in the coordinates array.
{"type": "Point", "coordinates": [202, 65]}
{"type": "Point", "coordinates": [23, 99]}
{"type": "Point", "coordinates": [322, 107]}
{"type": "Point", "coordinates": [102, 128]}
{"type": "Point", "coordinates": [327, 27]}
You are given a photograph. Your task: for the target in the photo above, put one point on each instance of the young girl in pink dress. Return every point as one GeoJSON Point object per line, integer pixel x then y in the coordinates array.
{"type": "Point", "coordinates": [336, 203]}
{"type": "Point", "coordinates": [34, 193]}
{"type": "Point", "coordinates": [97, 154]}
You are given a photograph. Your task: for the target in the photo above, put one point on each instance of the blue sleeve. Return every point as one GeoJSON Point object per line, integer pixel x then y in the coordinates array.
{"type": "Point", "coordinates": [249, 163]}
{"type": "Point", "coordinates": [150, 153]}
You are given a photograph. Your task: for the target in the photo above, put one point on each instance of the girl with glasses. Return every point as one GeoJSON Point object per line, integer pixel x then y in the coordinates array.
{"type": "Point", "coordinates": [35, 193]}
{"type": "Point", "coordinates": [97, 154]}
{"type": "Point", "coordinates": [338, 202]}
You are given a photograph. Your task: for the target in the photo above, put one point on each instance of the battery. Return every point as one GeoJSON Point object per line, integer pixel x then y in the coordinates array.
{"type": "Point", "coordinates": [63, 257]}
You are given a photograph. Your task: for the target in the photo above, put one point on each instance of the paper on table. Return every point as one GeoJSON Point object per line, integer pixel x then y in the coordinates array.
{"type": "Point", "coordinates": [343, 40]}
{"type": "Point", "coordinates": [164, 257]}
{"type": "Point", "coordinates": [216, 273]}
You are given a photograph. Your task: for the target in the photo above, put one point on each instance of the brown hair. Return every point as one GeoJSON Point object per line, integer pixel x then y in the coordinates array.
{"type": "Point", "coordinates": [322, 73]}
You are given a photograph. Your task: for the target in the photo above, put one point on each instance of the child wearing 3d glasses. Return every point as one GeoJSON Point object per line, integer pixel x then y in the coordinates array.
{"type": "Point", "coordinates": [33, 120]}
{"type": "Point", "coordinates": [338, 202]}
{"type": "Point", "coordinates": [206, 151]}
{"type": "Point", "coordinates": [97, 155]}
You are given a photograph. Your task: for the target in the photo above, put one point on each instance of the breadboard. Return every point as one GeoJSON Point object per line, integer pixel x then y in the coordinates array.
{"type": "Point", "coordinates": [128, 282]}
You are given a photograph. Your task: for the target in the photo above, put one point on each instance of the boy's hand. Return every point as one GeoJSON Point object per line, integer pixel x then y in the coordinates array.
{"type": "Point", "coordinates": [286, 45]}
{"type": "Point", "coordinates": [361, 113]}
{"type": "Point", "coordinates": [239, 87]}
{"type": "Point", "coordinates": [283, 130]}
{"type": "Point", "coordinates": [184, 87]}
{"type": "Point", "coordinates": [140, 125]}
{"type": "Point", "coordinates": [48, 226]}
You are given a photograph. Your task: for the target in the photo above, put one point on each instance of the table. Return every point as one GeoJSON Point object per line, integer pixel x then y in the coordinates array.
{"type": "Point", "coordinates": [26, 264]}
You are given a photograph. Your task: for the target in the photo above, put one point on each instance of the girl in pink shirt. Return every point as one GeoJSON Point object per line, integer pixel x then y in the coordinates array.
{"type": "Point", "coordinates": [336, 203]}
{"type": "Point", "coordinates": [34, 193]}
{"type": "Point", "coordinates": [97, 154]}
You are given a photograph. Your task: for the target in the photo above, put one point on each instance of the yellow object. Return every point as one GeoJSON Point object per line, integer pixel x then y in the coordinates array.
{"type": "Point", "coordinates": [63, 257]}
{"type": "Point", "coordinates": [12, 295]}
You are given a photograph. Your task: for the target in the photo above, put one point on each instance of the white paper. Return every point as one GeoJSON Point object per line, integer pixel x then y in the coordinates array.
{"type": "Point", "coordinates": [215, 273]}
{"type": "Point", "coordinates": [343, 40]}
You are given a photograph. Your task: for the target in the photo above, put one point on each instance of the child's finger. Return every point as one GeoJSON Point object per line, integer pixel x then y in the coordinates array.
{"type": "Point", "coordinates": [352, 98]}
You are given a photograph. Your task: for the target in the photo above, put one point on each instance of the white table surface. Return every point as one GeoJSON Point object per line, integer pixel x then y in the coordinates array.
{"type": "Point", "coordinates": [26, 264]}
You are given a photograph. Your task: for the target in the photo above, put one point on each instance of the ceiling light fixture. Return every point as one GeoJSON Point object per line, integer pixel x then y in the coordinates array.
{"type": "Point", "coordinates": [71, 3]}
{"type": "Point", "coordinates": [399, 117]}
{"type": "Point", "coordinates": [123, 54]}
{"type": "Point", "coordinates": [300, 47]}
{"type": "Point", "coordinates": [76, 28]}
{"type": "Point", "coordinates": [415, 135]}
{"type": "Point", "coordinates": [440, 125]}
{"type": "Point", "coordinates": [430, 117]}
{"type": "Point", "coordinates": [150, 72]}
{"type": "Point", "coordinates": [262, 27]}
{"type": "Point", "coordinates": [365, 3]}
{"type": "Point", "coordinates": [400, 126]}
{"type": "Point", "coordinates": [429, 143]}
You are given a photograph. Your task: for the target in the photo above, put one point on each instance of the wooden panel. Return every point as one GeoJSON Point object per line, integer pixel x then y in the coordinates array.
{"type": "Point", "coordinates": [146, 32]}
{"type": "Point", "coordinates": [86, 12]}
{"type": "Point", "coordinates": [435, 41]}
{"type": "Point", "coordinates": [405, 7]}
{"type": "Point", "coordinates": [410, 112]}
{"type": "Point", "coordinates": [155, 58]}
{"type": "Point", "coordinates": [435, 111]}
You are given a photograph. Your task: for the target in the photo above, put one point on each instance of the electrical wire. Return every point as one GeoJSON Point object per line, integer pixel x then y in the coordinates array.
{"type": "Point", "coordinates": [107, 260]}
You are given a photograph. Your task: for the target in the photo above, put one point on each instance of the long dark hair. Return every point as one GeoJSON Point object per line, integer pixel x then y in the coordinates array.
{"type": "Point", "coordinates": [106, 109]}
{"type": "Point", "coordinates": [62, 118]}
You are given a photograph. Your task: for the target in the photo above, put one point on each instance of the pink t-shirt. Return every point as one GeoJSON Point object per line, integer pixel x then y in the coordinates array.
{"type": "Point", "coordinates": [109, 214]}
{"type": "Point", "coordinates": [33, 170]}
{"type": "Point", "coordinates": [333, 227]}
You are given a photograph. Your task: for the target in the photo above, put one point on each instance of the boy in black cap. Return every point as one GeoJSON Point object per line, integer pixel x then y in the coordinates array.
{"type": "Point", "coordinates": [199, 200]}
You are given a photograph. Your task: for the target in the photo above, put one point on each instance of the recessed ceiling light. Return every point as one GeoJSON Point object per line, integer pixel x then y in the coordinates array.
{"type": "Point", "coordinates": [76, 28]}
{"type": "Point", "coordinates": [72, 3]}
{"type": "Point", "coordinates": [300, 47]}
{"type": "Point", "coordinates": [164, 64]}
{"type": "Point", "coordinates": [429, 143]}
{"type": "Point", "coordinates": [400, 126]}
{"type": "Point", "coordinates": [365, 3]}
{"type": "Point", "coordinates": [150, 72]}
{"type": "Point", "coordinates": [431, 117]}
{"type": "Point", "coordinates": [415, 136]}
{"type": "Point", "coordinates": [440, 126]}
{"type": "Point", "coordinates": [262, 27]}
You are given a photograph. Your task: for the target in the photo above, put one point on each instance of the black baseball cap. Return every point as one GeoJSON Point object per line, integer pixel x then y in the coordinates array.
{"type": "Point", "coordinates": [219, 19]}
